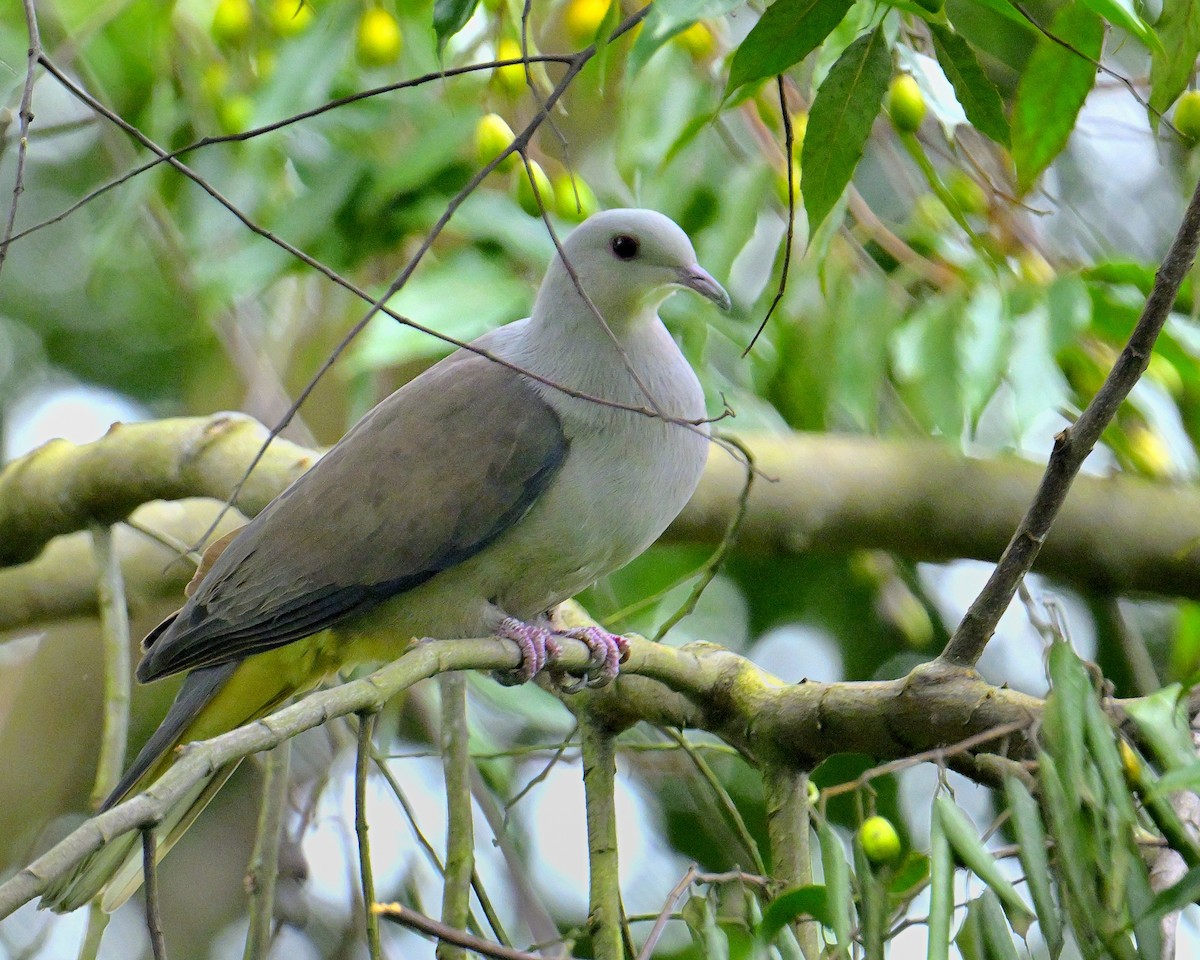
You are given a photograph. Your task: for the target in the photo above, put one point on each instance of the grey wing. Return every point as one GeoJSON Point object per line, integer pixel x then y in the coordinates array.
{"type": "Point", "coordinates": [426, 480]}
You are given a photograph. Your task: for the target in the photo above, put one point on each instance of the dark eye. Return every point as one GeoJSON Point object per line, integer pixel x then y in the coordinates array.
{"type": "Point", "coordinates": [624, 247]}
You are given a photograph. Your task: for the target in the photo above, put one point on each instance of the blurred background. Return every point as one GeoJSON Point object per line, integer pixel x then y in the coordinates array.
{"type": "Point", "coordinates": [942, 307]}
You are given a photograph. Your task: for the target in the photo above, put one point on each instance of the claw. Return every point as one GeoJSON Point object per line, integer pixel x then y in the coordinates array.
{"type": "Point", "coordinates": [538, 647]}
{"type": "Point", "coordinates": [609, 651]}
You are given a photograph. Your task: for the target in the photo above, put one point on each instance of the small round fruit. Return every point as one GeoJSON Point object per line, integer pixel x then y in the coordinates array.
{"type": "Point", "coordinates": [906, 105]}
{"type": "Point", "coordinates": [492, 137]}
{"type": "Point", "coordinates": [379, 38]}
{"type": "Point", "coordinates": [879, 840]}
{"type": "Point", "coordinates": [232, 20]}
{"type": "Point", "coordinates": [235, 113]}
{"type": "Point", "coordinates": [697, 40]}
{"type": "Point", "coordinates": [573, 198]}
{"type": "Point", "coordinates": [1131, 763]}
{"type": "Point", "coordinates": [1034, 268]}
{"type": "Point", "coordinates": [814, 793]}
{"type": "Point", "coordinates": [510, 79]}
{"type": "Point", "coordinates": [583, 18]}
{"type": "Point", "coordinates": [525, 195]}
{"type": "Point", "coordinates": [290, 17]}
{"type": "Point", "coordinates": [969, 195]}
{"type": "Point", "coordinates": [1187, 116]}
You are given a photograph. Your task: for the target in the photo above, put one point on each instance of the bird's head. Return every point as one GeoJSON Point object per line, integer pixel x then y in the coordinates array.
{"type": "Point", "coordinates": [628, 262]}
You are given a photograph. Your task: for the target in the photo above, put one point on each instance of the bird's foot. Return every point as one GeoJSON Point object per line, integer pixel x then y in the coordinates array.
{"type": "Point", "coordinates": [538, 647]}
{"type": "Point", "coordinates": [609, 651]}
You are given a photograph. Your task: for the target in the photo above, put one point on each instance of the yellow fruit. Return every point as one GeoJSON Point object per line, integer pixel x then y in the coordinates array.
{"type": "Point", "coordinates": [583, 19]}
{"type": "Point", "coordinates": [1187, 116]}
{"type": "Point", "coordinates": [879, 840]}
{"type": "Point", "coordinates": [215, 80]}
{"type": "Point", "coordinates": [525, 195]}
{"type": "Point", "coordinates": [573, 198]}
{"type": "Point", "coordinates": [493, 135]}
{"type": "Point", "coordinates": [510, 79]}
{"type": "Point", "coordinates": [236, 113]}
{"type": "Point", "coordinates": [232, 20]}
{"type": "Point", "coordinates": [697, 40]}
{"type": "Point", "coordinates": [1131, 763]}
{"type": "Point", "coordinates": [814, 793]}
{"type": "Point", "coordinates": [1034, 268]}
{"type": "Point", "coordinates": [906, 106]}
{"type": "Point", "coordinates": [781, 184]}
{"type": "Point", "coordinates": [1149, 453]}
{"type": "Point", "coordinates": [290, 17]}
{"type": "Point", "coordinates": [971, 198]}
{"type": "Point", "coordinates": [379, 38]}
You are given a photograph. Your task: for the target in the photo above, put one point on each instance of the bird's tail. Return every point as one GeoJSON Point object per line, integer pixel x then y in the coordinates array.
{"type": "Point", "coordinates": [211, 701]}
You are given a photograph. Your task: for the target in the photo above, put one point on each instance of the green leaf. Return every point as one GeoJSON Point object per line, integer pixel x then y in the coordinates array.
{"type": "Point", "coordinates": [450, 16]}
{"type": "Point", "coordinates": [1070, 690]}
{"type": "Point", "coordinates": [964, 838]}
{"type": "Point", "coordinates": [668, 18]}
{"type": "Point", "coordinates": [1120, 13]}
{"type": "Point", "coordinates": [808, 901]}
{"type": "Point", "coordinates": [976, 93]}
{"type": "Point", "coordinates": [1162, 721]}
{"type": "Point", "coordinates": [1007, 10]}
{"type": "Point", "coordinates": [910, 876]}
{"type": "Point", "coordinates": [786, 33]}
{"type": "Point", "coordinates": [1146, 928]}
{"type": "Point", "coordinates": [838, 900]}
{"type": "Point", "coordinates": [941, 891]}
{"type": "Point", "coordinates": [995, 929]}
{"type": "Point", "coordinates": [1172, 63]}
{"type": "Point", "coordinates": [839, 122]}
{"type": "Point", "coordinates": [1066, 825]}
{"type": "Point", "coordinates": [1031, 849]}
{"type": "Point", "coordinates": [1052, 90]}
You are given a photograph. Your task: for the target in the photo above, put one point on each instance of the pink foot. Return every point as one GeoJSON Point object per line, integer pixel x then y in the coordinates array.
{"type": "Point", "coordinates": [609, 651]}
{"type": "Point", "coordinates": [538, 647]}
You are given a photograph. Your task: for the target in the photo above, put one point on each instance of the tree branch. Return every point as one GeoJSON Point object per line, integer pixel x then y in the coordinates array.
{"type": "Point", "coordinates": [1071, 448]}
{"type": "Point", "coordinates": [916, 498]}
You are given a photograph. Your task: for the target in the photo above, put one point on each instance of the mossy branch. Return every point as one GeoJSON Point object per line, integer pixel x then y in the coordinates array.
{"type": "Point", "coordinates": [706, 687]}
{"type": "Point", "coordinates": [916, 498]}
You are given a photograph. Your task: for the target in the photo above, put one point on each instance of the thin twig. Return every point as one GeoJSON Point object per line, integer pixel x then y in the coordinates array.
{"type": "Point", "coordinates": [158, 946]}
{"type": "Point", "coordinates": [541, 775]}
{"type": "Point", "coordinates": [460, 827]}
{"type": "Point", "coordinates": [723, 797]}
{"type": "Point", "coordinates": [789, 140]}
{"type": "Point", "coordinates": [714, 563]}
{"type": "Point", "coordinates": [434, 928]}
{"type": "Point", "coordinates": [938, 755]}
{"type": "Point", "coordinates": [366, 724]}
{"type": "Point", "coordinates": [25, 118]}
{"type": "Point", "coordinates": [275, 125]}
{"type": "Point", "coordinates": [1072, 446]}
{"type": "Point", "coordinates": [264, 859]}
{"type": "Point", "coordinates": [693, 875]}
{"type": "Point", "coordinates": [114, 632]}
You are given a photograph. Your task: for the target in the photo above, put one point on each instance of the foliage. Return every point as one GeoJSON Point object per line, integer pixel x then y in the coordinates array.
{"type": "Point", "coordinates": [969, 276]}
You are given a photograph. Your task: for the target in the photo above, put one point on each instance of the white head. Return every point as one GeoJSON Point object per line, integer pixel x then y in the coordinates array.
{"type": "Point", "coordinates": [627, 262]}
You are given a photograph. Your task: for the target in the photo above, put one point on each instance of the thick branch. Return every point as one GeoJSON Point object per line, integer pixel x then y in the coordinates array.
{"type": "Point", "coordinates": [918, 498]}
{"type": "Point", "coordinates": [714, 689]}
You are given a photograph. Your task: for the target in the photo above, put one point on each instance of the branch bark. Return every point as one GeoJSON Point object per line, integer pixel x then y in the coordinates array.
{"type": "Point", "coordinates": [917, 498]}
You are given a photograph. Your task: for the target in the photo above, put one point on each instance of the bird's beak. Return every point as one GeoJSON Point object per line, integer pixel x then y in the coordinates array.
{"type": "Point", "coordinates": [697, 278]}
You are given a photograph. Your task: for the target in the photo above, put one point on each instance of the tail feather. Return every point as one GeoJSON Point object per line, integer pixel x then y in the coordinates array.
{"type": "Point", "coordinates": [212, 700]}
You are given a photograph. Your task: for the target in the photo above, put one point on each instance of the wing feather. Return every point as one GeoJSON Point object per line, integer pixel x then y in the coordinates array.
{"type": "Point", "coordinates": [426, 480]}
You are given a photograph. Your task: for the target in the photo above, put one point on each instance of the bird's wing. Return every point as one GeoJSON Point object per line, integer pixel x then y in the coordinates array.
{"type": "Point", "coordinates": [426, 480]}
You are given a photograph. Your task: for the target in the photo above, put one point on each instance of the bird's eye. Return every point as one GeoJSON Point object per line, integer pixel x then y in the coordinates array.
{"type": "Point", "coordinates": [624, 247]}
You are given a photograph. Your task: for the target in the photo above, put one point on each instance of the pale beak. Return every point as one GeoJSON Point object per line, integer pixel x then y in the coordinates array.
{"type": "Point", "coordinates": [697, 278]}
